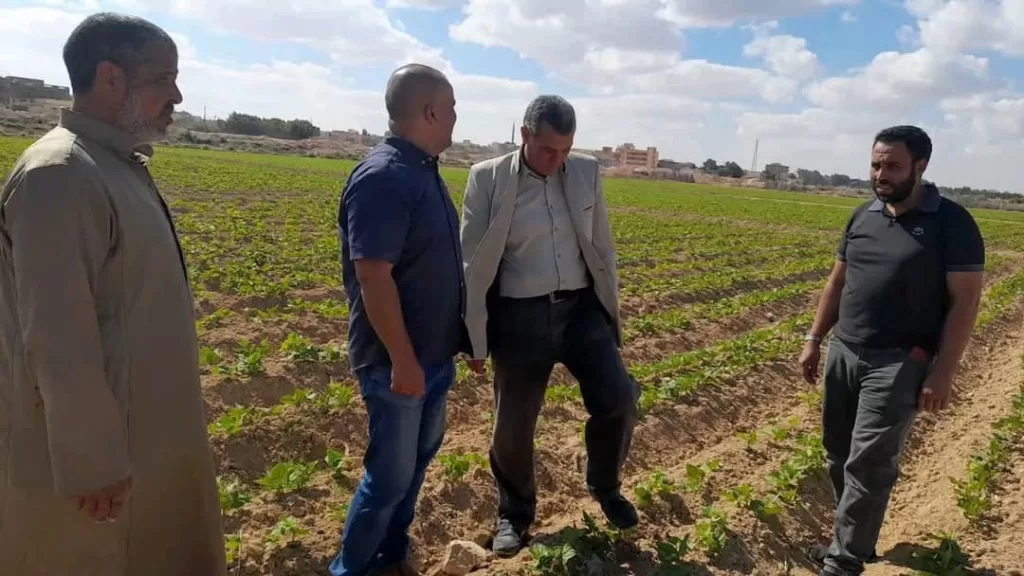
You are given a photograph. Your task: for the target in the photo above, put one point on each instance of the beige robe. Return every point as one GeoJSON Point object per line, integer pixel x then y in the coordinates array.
{"type": "Point", "coordinates": [487, 210]}
{"type": "Point", "coordinates": [98, 367]}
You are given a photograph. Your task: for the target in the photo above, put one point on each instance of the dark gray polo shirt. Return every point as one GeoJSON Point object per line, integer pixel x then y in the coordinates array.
{"type": "Point", "coordinates": [895, 294]}
{"type": "Point", "coordinates": [396, 207]}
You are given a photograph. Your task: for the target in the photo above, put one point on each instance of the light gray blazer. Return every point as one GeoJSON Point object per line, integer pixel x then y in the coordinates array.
{"type": "Point", "coordinates": [488, 205]}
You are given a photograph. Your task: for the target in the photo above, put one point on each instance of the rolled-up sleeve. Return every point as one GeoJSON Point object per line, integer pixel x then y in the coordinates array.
{"type": "Point", "coordinates": [60, 228]}
{"type": "Point", "coordinates": [379, 215]}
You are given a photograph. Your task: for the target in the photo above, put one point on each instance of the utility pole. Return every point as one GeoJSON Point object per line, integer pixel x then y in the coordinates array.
{"type": "Point", "coordinates": [513, 132]}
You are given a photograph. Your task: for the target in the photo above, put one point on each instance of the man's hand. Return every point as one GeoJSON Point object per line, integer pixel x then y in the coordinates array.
{"type": "Point", "coordinates": [809, 360]}
{"type": "Point", "coordinates": [105, 505]}
{"type": "Point", "coordinates": [407, 378]}
{"type": "Point", "coordinates": [477, 366]}
{"type": "Point", "coordinates": [935, 393]}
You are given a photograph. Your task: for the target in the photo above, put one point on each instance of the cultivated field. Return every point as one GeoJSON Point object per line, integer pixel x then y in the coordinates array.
{"type": "Point", "coordinates": [718, 285]}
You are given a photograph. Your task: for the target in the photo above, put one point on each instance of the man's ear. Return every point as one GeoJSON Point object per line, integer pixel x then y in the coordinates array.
{"type": "Point", "coordinates": [922, 165]}
{"type": "Point", "coordinates": [110, 79]}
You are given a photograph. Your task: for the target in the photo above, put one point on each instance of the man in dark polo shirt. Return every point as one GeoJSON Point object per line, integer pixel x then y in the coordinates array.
{"type": "Point", "coordinates": [903, 297]}
{"type": "Point", "coordinates": [402, 267]}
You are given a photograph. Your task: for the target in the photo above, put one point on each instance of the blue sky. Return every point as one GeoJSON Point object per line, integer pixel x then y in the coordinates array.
{"type": "Point", "coordinates": [697, 78]}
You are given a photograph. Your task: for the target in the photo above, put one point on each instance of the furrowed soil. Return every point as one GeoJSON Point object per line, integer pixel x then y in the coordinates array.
{"type": "Point", "coordinates": [717, 287]}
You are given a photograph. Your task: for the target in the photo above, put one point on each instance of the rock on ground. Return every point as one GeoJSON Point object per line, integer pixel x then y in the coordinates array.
{"type": "Point", "coordinates": [462, 557]}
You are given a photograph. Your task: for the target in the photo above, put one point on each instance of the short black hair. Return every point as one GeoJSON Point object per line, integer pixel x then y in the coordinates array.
{"type": "Point", "coordinates": [552, 110]}
{"type": "Point", "coordinates": [408, 86]}
{"type": "Point", "coordinates": [107, 37]}
{"type": "Point", "coordinates": [915, 139]}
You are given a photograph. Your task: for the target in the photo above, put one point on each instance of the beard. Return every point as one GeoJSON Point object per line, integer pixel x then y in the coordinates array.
{"type": "Point", "coordinates": [898, 191]}
{"type": "Point", "coordinates": [132, 119]}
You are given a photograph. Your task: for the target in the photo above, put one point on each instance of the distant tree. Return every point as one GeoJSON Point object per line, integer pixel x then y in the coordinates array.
{"type": "Point", "coordinates": [302, 129]}
{"type": "Point", "coordinates": [709, 166]}
{"type": "Point", "coordinates": [839, 180]}
{"type": "Point", "coordinates": [250, 125]}
{"type": "Point", "coordinates": [731, 170]}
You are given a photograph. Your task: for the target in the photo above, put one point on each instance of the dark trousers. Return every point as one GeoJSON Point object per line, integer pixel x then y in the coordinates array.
{"type": "Point", "coordinates": [528, 337]}
{"type": "Point", "coordinates": [870, 405]}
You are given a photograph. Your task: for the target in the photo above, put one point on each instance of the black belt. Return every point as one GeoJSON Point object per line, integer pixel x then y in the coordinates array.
{"type": "Point", "coordinates": [563, 295]}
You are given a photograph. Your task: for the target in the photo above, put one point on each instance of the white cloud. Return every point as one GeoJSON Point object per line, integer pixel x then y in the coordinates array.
{"type": "Point", "coordinates": [31, 40]}
{"type": "Point", "coordinates": [993, 120]}
{"type": "Point", "coordinates": [955, 26]}
{"type": "Point", "coordinates": [611, 46]}
{"type": "Point", "coordinates": [786, 55]}
{"type": "Point", "coordinates": [424, 4]}
{"type": "Point", "coordinates": [706, 13]}
{"type": "Point", "coordinates": [901, 81]}
{"type": "Point", "coordinates": [848, 17]}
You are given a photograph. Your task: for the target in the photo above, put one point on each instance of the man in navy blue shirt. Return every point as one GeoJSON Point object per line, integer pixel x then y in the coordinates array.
{"type": "Point", "coordinates": [402, 267]}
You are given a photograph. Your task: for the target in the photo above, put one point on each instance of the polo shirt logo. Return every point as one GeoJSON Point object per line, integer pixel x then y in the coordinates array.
{"type": "Point", "coordinates": [917, 231]}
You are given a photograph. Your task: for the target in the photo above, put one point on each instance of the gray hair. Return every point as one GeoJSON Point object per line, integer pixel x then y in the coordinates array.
{"type": "Point", "coordinates": [108, 37]}
{"type": "Point", "coordinates": [552, 110]}
{"type": "Point", "coordinates": [410, 87]}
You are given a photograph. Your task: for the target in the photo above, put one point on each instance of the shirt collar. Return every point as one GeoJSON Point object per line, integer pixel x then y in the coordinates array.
{"type": "Point", "coordinates": [929, 203]}
{"type": "Point", "coordinates": [121, 142]}
{"type": "Point", "coordinates": [405, 147]}
{"type": "Point", "coordinates": [519, 162]}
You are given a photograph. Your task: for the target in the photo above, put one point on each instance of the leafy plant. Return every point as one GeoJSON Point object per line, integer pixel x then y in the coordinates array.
{"type": "Point", "coordinates": [337, 463]}
{"type": "Point", "coordinates": [233, 421]}
{"type": "Point", "coordinates": [697, 476]}
{"type": "Point", "coordinates": [672, 554]}
{"type": "Point", "coordinates": [657, 485]}
{"type": "Point", "coordinates": [712, 531]}
{"type": "Point", "coordinates": [232, 546]}
{"type": "Point", "coordinates": [974, 491]}
{"type": "Point", "coordinates": [299, 350]}
{"type": "Point", "coordinates": [232, 494]}
{"type": "Point", "coordinates": [948, 559]}
{"type": "Point", "coordinates": [338, 396]}
{"type": "Point", "coordinates": [288, 476]}
{"type": "Point", "coordinates": [249, 360]}
{"type": "Point", "coordinates": [209, 358]}
{"type": "Point", "coordinates": [286, 531]}
{"type": "Point", "coordinates": [555, 560]}
{"type": "Point", "coordinates": [749, 439]}
{"type": "Point", "coordinates": [562, 394]}
{"type": "Point", "coordinates": [812, 399]}
{"type": "Point", "coordinates": [741, 495]}
{"type": "Point", "coordinates": [456, 465]}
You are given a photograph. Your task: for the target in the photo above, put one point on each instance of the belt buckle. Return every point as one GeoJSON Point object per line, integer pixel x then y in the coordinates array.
{"type": "Point", "coordinates": [553, 297]}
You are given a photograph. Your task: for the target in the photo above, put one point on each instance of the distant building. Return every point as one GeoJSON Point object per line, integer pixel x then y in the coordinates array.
{"type": "Point", "coordinates": [779, 171]}
{"type": "Point", "coordinates": [15, 90]}
{"type": "Point", "coordinates": [678, 166]}
{"type": "Point", "coordinates": [629, 157]}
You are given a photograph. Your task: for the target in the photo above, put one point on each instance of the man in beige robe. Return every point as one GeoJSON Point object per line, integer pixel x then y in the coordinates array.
{"type": "Point", "coordinates": [105, 467]}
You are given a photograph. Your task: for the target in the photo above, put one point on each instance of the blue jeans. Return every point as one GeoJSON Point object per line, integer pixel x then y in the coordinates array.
{"type": "Point", "coordinates": [405, 435]}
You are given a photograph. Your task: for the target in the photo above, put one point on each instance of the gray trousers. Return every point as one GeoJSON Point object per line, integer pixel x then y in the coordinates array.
{"type": "Point", "coordinates": [870, 403]}
{"type": "Point", "coordinates": [529, 336]}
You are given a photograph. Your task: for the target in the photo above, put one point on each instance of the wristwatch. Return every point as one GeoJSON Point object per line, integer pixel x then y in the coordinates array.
{"type": "Point", "coordinates": [812, 338]}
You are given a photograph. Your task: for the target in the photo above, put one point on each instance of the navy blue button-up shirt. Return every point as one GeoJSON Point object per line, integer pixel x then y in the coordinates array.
{"type": "Point", "coordinates": [396, 207]}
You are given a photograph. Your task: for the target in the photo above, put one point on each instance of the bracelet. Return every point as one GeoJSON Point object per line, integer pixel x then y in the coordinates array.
{"type": "Point", "coordinates": [812, 338]}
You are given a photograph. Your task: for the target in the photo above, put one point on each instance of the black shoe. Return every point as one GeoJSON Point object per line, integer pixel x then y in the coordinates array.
{"type": "Point", "coordinates": [507, 541]}
{"type": "Point", "coordinates": [817, 554]}
{"type": "Point", "coordinates": [619, 511]}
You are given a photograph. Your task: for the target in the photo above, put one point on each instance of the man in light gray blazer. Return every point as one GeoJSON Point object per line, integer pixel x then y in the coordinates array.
{"type": "Point", "coordinates": [542, 288]}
